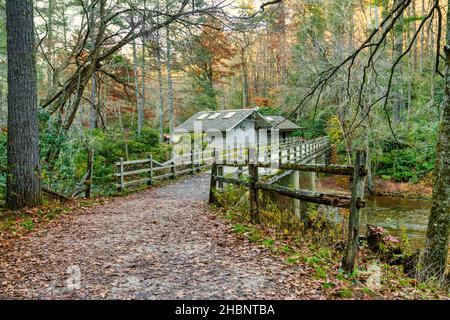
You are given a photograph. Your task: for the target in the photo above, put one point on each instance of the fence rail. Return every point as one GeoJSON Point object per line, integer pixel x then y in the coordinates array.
{"type": "Point", "coordinates": [355, 202]}
{"type": "Point", "coordinates": [155, 170]}
{"type": "Point", "coordinates": [291, 150]}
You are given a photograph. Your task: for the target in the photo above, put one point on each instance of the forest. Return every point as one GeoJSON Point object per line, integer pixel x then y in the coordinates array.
{"type": "Point", "coordinates": [84, 83]}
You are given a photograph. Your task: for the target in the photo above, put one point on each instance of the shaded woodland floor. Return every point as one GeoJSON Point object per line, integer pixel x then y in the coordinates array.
{"type": "Point", "coordinates": [161, 243]}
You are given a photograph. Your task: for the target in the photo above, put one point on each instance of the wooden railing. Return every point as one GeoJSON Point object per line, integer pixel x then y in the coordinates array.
{"type": "Point", "coordinates": [147, 171]}
{"type": "Point", "coordinates": [155, 170]}
{"type": "Point", "coordinates": [354, 202]}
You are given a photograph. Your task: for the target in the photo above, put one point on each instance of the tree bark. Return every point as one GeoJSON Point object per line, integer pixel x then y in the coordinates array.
{"type": "Point", "coordinates": [51, 49]}
{"type": "Point", "coordinates": [161, 96]}
{"type": "Point", "coordinates": [398, 50]}
{"type": "Point", "coordinates": [169, 83]}
{"type": "Point", "coordinates": [245, 88]}
{"type": "Point", "coordinates": [93, 116]}
{"type": "Point", "coordinates": [139, 106]}
{"type": "Point", "coordinates": [436, 246]}
{"type": "Point", "coordinates": [23, 181]}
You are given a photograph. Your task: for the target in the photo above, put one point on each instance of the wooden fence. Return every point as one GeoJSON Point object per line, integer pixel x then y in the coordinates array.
{"type": "Point", "coordinates": [355, 202]}
{"type": "Point", "coordinates": [147, 171]}
{"type": "Point", "coordinates": [155, 170]}
{"type": "Point", "coordinates": [85, 185]}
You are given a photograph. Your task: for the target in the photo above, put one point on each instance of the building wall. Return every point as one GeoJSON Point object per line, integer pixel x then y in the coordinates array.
{"type": "Point", "coordinates": [242, 135]}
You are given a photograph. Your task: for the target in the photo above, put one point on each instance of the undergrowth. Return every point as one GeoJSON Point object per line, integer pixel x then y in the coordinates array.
{"type": "Point", "coordinates": [316, 244]}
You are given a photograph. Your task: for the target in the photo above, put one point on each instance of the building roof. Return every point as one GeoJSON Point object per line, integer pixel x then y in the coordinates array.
{"type": "Point", "coordinates": [224, 120]}
{"type": "Point", "coordinates": [282, 123]}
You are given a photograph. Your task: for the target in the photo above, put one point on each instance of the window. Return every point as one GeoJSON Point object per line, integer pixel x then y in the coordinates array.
{"type": "Point", "coordinates": [215, 115]}
{"type": "Point", "coordinates": [203, 116]}
{"type": "Point", "coordinates": [229, 115]}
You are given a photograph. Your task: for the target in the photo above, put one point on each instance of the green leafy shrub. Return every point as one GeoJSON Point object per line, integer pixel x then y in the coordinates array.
{"type": "Point", "coordinates": [405, 164]}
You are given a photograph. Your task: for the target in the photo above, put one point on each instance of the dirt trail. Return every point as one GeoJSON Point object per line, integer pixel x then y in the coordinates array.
{"type": "Point", "coordinates": [161, 243]}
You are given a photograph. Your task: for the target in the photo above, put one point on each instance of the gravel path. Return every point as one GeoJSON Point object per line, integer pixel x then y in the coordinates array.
{"type": "Point", "coordinates": [161, 243]}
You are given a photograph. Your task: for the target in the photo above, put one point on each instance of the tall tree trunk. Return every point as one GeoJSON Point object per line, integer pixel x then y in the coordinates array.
{"type": "Point", "coordinates": [432, 57]}
{"type": "Point", "coordinates": [169, 83]}
{"type": "Point", "coordinates": [280, 31]}
{"type": "Point", "coordinates": [436, 247]}
{"type": "Point", "coordinates": [2, 110]}
{"type": "Point", "coordinates": [422, 42]}
{"type": "Point", "coordinates": [50, 40]}
{"type": "Point", "coordinates": [398, 50]}
{"type": "Point", "coordinates": [23, 181]}
{"type": "Point", "coordinates": [245, 89]}
{"type": "Point", "coordinates": [160, 80]}
{"type": "Point", "coordinates": [139, 106]}
{"type": "Point", "coordinates": [413, 31]}
{"type": "Point", "coordinates": [93, 116]}
{"type": "Point", "coordinates": [161, 95]}
{"type": "Point", "coordinates": [143, 70]}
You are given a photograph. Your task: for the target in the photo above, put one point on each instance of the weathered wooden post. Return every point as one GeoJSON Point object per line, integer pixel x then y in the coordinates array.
{"type": "Point", "coordinates": [212, 185]}
{"type": "Point", "coordinates": [90, 169]}
{"type": "Point", "coordinates": [254, 198]}
{"type": "Point", "coordinates": [229, 155]}
{"type": "Point", "coordinates": [199, 159]}
{"type": "Point", "coordinates": [121, 178]}
{"type": "Point", "coordinates": [192, 162]}
{"type": "Point", "coordinates": [348, 262]}
{"type": "Point", "coordinates": [220, 174]}
{"type": "Point", "coordinates": [173, 170]}
{"type": "Point", "coordinates": [150, 172]}
{"type": "Point", "coordinates": [328, 156]}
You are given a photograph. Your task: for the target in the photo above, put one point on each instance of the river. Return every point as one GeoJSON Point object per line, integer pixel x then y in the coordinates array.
{"type": "Point", "coordinates": [391, 213]}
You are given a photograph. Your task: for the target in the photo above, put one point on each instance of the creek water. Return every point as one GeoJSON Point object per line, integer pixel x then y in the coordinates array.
{"type": "Point", "coordinates": [396, 215]}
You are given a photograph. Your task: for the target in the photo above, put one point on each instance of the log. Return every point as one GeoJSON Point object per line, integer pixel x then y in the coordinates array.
{"type": "Point", "coordinates": [310, 196]}
{"type": "Point", "coordinates": [55, 194]}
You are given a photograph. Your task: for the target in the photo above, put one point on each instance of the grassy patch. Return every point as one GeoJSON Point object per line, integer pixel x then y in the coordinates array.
{"type": "Point", "coordinates": [268, 243]}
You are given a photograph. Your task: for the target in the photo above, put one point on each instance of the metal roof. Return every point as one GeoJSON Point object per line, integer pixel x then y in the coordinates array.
{"type": "Point", "coordinates": [221, 122]}
{"type": "Point", "coordinates": [282, 123]}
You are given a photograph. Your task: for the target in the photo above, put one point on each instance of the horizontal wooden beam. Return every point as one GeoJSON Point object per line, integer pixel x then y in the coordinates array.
{"type": "Point", "coordinates": [167, 175]}
{"type": "Point", "coordinates": [133, 162]}
{"type": "Point", "coordinates": [134, 182]}
{"type": "Point", "coordinates": [232, 181]}
{"type": "Point", "coordinates": [340, 201]}
{"type": "Point", "coordinates": [130, 173]}
{"type": "Point", "coordinates": [180, 172]}
{"type": "Point", "coordinates": [332, 169]}
{"type": "Point", "coordinates": [310, 196]}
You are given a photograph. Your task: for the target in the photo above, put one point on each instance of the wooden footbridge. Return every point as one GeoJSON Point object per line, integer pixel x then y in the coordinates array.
{"type": "Point", "coordinates": [260, 168]}
{"type": "Point", "coordinates": [292, 150]}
